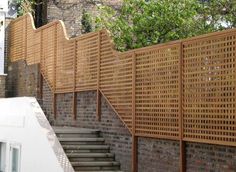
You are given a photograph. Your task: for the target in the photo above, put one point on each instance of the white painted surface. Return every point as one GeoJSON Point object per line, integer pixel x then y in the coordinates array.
{"type": "Point", "coordinates": [4, 5]}
{"type": "Point", "coordinates": [22, 123]}
{"type": "Point", "coordinates": [2, 41]}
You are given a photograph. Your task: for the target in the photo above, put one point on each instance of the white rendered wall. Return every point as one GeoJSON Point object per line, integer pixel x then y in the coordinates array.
{"type": "Point", "coordinates": [3, 10]}
{"type": "Point", "coordinates": [2, 41]}
{"type": "Point", "coordinates": [4, 5]}
{"type": "Point", "coordinates": [23, 123]}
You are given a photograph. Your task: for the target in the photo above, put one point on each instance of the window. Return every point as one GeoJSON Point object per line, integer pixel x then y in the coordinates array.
{"type": "Point", "coordinates": [2, 157]}
{"type": "Point", "coordinates": [14, 159]}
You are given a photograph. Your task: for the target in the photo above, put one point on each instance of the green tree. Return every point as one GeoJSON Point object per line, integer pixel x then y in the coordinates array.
{"type": "Point", "coordinates": [141, 23]}
{"type": "Point", "coordinates": [25, 6]}
{"type": "Point", "coordinates": [219, 13]}
{"type": "Point", "coordinates": [86, 22]}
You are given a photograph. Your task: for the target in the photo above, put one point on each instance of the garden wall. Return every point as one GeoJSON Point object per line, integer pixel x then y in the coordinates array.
{"type": "Point", "coordinates": [71, 11]}
{"type": "Point", "coordinates": [2, 86]}
{"type": "Point", "coordinates": [154, 155]}
{"type": "Point", "coordinates": [22, 80]}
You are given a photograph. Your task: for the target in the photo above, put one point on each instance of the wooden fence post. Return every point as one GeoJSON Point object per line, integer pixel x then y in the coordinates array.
{"type": "Point", "coordinates": [25, 39]}
{"type": "Point", "coordinates": [181, 142]}
{"type": "Point", "coordinates": [74, 103]}
{"type": "Point", "coordinates": [98, 109]}
{"type": "Point", "coordinates": [134, 138]}
{"type": "Point", "coordinates": [54, 74]}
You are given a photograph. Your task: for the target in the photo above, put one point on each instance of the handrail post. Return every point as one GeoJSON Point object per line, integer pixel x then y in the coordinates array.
{"type": "Point", "coordinates": [134, 138]}
{"type": "Point", "coordinates": [181, 142]}
{"type": "Point", "coordinates": [98, 109]}
{"type": "Point", "coordinates": [74, 104]}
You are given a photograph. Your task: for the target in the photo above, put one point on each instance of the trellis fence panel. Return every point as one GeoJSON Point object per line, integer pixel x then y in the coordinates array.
{"type": "Point", "coordinates": [182, 90]}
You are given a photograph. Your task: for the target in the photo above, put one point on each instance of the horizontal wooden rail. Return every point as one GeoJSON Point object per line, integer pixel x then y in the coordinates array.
{"type": "Point", "coordinates": [155, 98]}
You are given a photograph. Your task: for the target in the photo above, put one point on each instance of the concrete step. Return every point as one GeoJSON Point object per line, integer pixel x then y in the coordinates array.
{"type": "Point", "coordinates": [66, 129]}
{"type": "Point", "coordinates": [80, 141]}
{"type": "Point", "coordinates": [101, 171]}
{"type": "Point", "coordinates": [86, 147]}
{"type": "Point", "coordinates": [75, 132]}
{"type": "Point", "coordinates": [112, 165]}
{"type": "Point", "coordinates": [95, 164]}
{"type": "Point", "coordinates": [86, 150]}
{"type": "Point", "coordinates": [68, 151]}
{"type": "Point", "coordinates": [89, 157]}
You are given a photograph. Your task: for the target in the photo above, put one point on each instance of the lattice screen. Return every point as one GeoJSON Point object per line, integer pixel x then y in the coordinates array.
{"type": "Point", "coordinates": [65, 63]}
{"type": "Point", "coordinates": [209, 88]}
{"type": "Point", "coordinates": [17, 40]}
{"type": "Point", "coordinates": [207, 79]}
{"type": "Point", "coordinates": [48, 58]}
{"type": "Point", "coordinates": [157, 92]}
{"type": "Point", "coordinates": [87, 61]}
{"type": "Point", "coordinates": [33, 44]}
{"type": "Point", "coordinates": [116, 79]}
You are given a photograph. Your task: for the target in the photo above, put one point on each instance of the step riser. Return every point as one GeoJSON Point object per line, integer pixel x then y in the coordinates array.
{"type": "Point", "coordinates": [80, 135]}
{"type": "Point", "coordinates": [100, 171]}
{"type": "Point", "coordinates": [68, 151]}
{"type": "Point", "coordinates": [90, 159]}
{"type": "Point", "coordinates": [82, 142]}
{"type": "Point", "coordinates": [86, 150]}
{"type": "Point", "coordinates": [87, 147]}
{"type": "Point", "coordinates": [96, 168]}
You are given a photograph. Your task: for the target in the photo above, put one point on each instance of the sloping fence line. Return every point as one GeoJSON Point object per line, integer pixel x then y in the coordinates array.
{"type": "Point", "coordinates": [183, 90]}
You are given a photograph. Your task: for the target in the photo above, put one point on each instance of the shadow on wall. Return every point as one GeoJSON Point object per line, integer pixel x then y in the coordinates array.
{"type": "Point", "coordinates": [22, 80]}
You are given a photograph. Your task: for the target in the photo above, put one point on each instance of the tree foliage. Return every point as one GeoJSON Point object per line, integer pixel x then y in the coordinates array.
{"type": "Point", "coordinates": [141, 23]}
{"type": "Point", "coordinates": [86, 22]}
{"type": "Point", "coordinates": [25, 6]}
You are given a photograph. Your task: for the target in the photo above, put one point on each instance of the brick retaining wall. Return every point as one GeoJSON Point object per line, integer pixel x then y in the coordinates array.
{"type": "Point", "coordinates": [22, 80]}
{"type": "Point", "coordinates": [154, 155]}
{"type": "Point", "coordinates": [112, 129]}
{"type": "Point", "coordinates": [2, 85]}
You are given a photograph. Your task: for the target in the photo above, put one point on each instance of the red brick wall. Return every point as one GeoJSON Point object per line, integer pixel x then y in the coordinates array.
{"type": "Point", "coordinates": [210, 158]}
{"type": "Point", "coordinates": [112, 129]}
{"type": "Point", "coordinates": [154, 155]}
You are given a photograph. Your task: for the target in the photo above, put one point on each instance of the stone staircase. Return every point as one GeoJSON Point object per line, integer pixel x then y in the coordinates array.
{"type": "Point", "coordinates": [86, 150]}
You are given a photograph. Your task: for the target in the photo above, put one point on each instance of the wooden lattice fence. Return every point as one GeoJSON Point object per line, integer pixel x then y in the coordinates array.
{"type": "Point", "coordinates": [183, 90]}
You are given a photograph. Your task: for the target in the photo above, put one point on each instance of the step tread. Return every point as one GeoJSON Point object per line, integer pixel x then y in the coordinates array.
{"type": "Point", "coordinates": [95, 164]}
{"type": "Point", "coordinates": [101, 171]}
{"type": "Point", "coordinates": [74, 130]}
{"type": "Point", "coordinates": [85, 139]}
{"type": "Point", "coordinates": [92, 147]}
{"type": "Point", "coordinates": [92, 155]}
